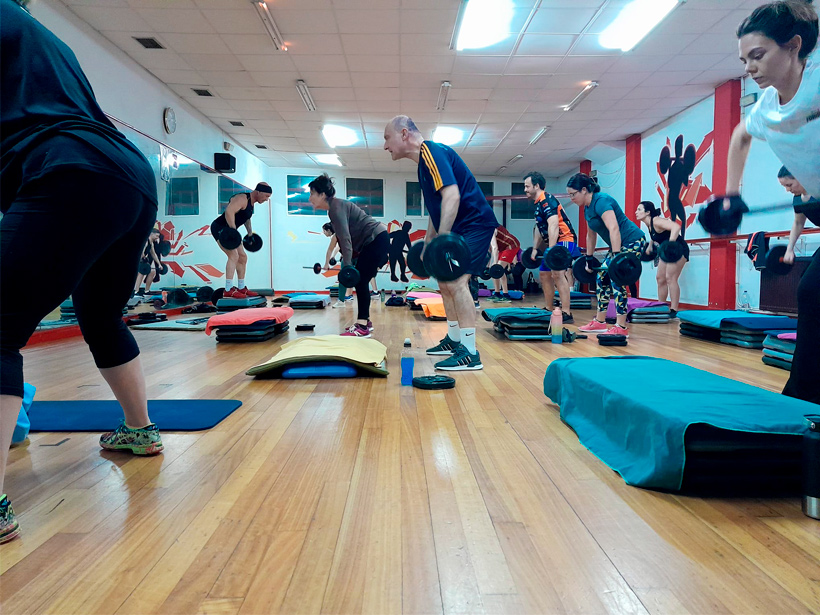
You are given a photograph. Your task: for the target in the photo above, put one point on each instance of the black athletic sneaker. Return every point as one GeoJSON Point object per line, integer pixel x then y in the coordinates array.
{"type": "Point", "coordinates": [567, 318]}
{"type": "Point", "coordinates": [462, 360]}
{"type": "Point", "coordinates": [445, 347]}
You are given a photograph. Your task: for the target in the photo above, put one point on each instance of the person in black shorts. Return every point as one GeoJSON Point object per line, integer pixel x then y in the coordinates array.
{"type": "Point", "coordinates": [151, 258]}
{"type": "Point", "coordinates": [663, 229]}
{"type": "Point", "coordinates": [60, 158]}
{"type": "Point", "coordinates": [455, 204]}
{"type": "Point", "coordinates": [238, 212]}
{"type": "Point", "coordinates": [360, 236]}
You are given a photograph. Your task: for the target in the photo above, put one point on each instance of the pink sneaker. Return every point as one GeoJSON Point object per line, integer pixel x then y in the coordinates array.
{"type": "Point", "coordinates": [616, 330]}
{"type": "Point", "coordinates": [594, 326]}
{"type": "Point", "coordinates": [357, 330]}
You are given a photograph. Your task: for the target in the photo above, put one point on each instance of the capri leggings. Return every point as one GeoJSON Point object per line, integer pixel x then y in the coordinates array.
{"type": "Point", "coordinates": [372, 257]}
{"type": "Point", "coordinates": [606, 289]}
{"type": "Point", "coordinates": [77, 233]}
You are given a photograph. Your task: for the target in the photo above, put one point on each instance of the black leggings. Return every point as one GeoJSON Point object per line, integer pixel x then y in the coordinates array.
{"type": "Point", "coordinates": [77, 233]}
{"type": "Point", "coordinates": [372, 257]}
{"type": "Point", "coordinates": [804, 381]}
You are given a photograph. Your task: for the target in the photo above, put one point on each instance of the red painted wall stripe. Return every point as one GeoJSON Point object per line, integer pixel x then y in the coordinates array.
{"type": "Point", "coordinates": [632, 194]}
{"type": "Point", "coordinates": [586, 167]}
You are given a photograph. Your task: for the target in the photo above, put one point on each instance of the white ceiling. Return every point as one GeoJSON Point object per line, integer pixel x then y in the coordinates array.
{"type": "Point", "coordinates": [368, 60]}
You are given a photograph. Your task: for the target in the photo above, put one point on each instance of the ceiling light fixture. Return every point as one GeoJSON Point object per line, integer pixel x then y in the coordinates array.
{"type": "Point", "coordinates": [267, 20]}
{"type": "Point", "coordinates": [481, 23]}
{"type": "Point", "coordinates": [500, 170]}
{"type": "Point", "coordinates": [634, 22]}
{"type": "Point", "coordinates": [443, 92]}
{"type": "Point", "coordinates": [581, 96]}
{"type": "Point", "coordinates": [304, 92]}
{"type": "Point", "coordinates": [539, 134]}
{"type": "Point", "coordinates": [515, 158]}
{"type": "Point", "coordinates": [339, 136]}
{"type": "Point", "coordinates": [447, 135]}
{"type": "Point", "coordinates": [332, 159]}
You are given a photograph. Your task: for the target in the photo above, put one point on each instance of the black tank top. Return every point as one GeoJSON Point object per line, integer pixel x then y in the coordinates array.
{"type": "Point", "coordinates": [242, 216]}
{"type": "Point", "coordinates": [660, 236]}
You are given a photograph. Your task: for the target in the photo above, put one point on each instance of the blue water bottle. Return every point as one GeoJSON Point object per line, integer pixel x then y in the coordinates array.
{"type": "Point", "coordinates": [407, 362]}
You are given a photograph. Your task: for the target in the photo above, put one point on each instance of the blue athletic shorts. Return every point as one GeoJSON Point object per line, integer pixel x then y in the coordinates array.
{"type": "Point", "coordinates": [478, 239]}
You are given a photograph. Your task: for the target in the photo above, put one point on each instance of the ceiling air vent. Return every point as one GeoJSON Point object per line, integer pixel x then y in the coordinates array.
{"type": "Point", "coordinates": [201, 92]}
{"type": "Point", "coordinates": [261, 147]}
{"type": "Point", "coordinates": [234, 123]}
{"type": "Point", "coordinates": [149, 42]}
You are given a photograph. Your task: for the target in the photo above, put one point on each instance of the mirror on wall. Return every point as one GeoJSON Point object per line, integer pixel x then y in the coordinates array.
{"type": "Point", "coordinates": [190, 195]}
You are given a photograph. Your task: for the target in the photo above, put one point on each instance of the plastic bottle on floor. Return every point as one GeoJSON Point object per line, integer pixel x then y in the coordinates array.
{"type": "Point", "coordinates": [745, 305]}
{"type": "Point", "coordinates": [407, 364]}
{"type": "Point", "coordinates": [557, 326]}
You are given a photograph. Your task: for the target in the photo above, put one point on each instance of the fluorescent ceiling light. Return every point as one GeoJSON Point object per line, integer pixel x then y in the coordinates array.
{"type": "Point", "coordinates": [484, 23]}
{"type": "Point", "coordinates": [538, 135]}
{"type": "Point", "coordinates": [500, 170]}
{"type": "Point", "coordinates": [447, 135]}
{"type": "Point", "coordinates": [581, 96]}
{"type": "Point", "coordinates": [635, 21]}
{"type": "Point", "coordinates": [515, 158]}
{"type": "Point", "coordinates": [339, 136]}
{"type": "Point", "coordinates": [304, 93]}
{"type": "Point", "coordinates": [328, 159]}
{"type": "Point", "coordinates": [267, 20]}
{"type": "Point", "coordinates": [443, 92]}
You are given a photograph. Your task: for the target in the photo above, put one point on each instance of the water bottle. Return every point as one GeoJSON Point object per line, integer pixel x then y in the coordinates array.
{"type": "Point", "coordinates": [744, 301]}
{"type": "Point", "coordinates": [407, 362]}
{"type": "Point", "coordinates": [811, 468]}
{"type": "Point", "coordinates": [557, 326]}
{"type": "Point", "coordinates": [382, 295]}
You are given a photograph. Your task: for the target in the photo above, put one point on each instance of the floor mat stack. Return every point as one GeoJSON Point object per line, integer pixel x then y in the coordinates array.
{"type": "Point", "coordinates": [778, 350]}
{"type": "Point", "coordinates": [520, 323]}
{"type": "Point", "coordinates": [578, 301]}
{"type": "Point", "coordinates": [658, 314]}
{"type": "Point", "coordinates": [250, 325]}
{"type": "Point", "coordinates": [737, 328]}
{"type": "Point", "coordinates": [230, 305]}
{"type": "Point", "coordinates": [308, 301]}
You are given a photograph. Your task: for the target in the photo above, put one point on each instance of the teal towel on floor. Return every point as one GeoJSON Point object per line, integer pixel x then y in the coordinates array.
{"type": "Point", "coordinates": [638, 431]}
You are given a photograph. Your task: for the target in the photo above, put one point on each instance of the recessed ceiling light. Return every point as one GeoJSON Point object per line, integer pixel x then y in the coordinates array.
{"type": "Point", "coordinates": [327, 159]}
{"type": "Point", "coordinates": [447, 135]}
{"type": "Point", "coordinates": [634, 22]}
{"type": "Point", "coordinates": [339, 136]}
{"type": "Point", "coordinates": [484, 23]}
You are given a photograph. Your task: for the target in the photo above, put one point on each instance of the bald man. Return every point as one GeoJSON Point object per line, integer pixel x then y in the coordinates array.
{"type": "Point", "coordinates": [456, 205]}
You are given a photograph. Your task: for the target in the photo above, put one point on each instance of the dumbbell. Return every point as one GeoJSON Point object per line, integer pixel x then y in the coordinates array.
{"type": "Point", "coordinates": [670, 251]}
{"type": "Point", "coordinates": [163, 269]}
{"type": "Point", "coordinates": [496, 272]}
{"type": "Point", "coordinates": [144, 268]}
{"type": "Point", "coordinates": [446, 258]}
{"type": "Point", "coordinates": [229, 238]}
{"type": "Point", "coordinates": [164, 248]}
{"type": "Point", "coordinates": [348, 276]}
{"type": "Point", "coordinates": [527, 260]}
{"type": "Point", "coordinates": [558, 258]}
{"type": "Point", "coordinates": [623, 270]}
{"type": "Point", "coordinates": [252, 242]}
{"type": "Point", "coordinates": [647, 256]}
{"type": "Point", "coordinates": [775, 262]}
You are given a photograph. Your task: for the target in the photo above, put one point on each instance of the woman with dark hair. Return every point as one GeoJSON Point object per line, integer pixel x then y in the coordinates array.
{"type": "Point", "coordinates": [606, 218]}
{"type": "Point", "coordinates": [360, 236]}
{"type": "Point", "coordinates": [332, 249]}
{"type": "Point", "coordinates": [801, 213]}
{"type": "Point", "coordinates": [663, 229]}
{"type": "Point", "coordinates": [775, 43]}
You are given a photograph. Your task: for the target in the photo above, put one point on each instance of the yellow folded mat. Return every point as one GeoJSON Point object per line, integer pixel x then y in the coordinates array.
{"type": "Point", "coordinates": [364, 353]}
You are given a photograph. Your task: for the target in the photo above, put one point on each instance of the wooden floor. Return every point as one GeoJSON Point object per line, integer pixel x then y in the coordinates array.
{"type": "Point", "coordinates": [364, 496]}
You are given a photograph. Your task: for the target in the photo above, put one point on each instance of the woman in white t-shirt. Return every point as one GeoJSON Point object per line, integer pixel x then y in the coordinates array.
{"type": "Point", "coordinates": [775, 43]}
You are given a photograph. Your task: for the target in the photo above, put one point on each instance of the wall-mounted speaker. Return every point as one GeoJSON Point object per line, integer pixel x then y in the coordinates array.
{"type": "Point", "coordinates": [224, 163]}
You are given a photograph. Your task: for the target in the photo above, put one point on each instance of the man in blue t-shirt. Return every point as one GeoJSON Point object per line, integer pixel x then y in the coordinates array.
{"type": "Point", "coordinates": [456, 205]}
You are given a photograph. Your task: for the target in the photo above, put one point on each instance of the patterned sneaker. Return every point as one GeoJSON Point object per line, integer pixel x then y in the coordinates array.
{"type": "Point", "coordinates": [143, 441]}
{"type": "Point", "coordinates": [349, 299]}
{"type": "Point", "coordinates": [369, 325]}
{"type": "Point", "coordinates": [502, 299]}
{"type": "Point", "coordinates": [248, 292]}
{"type": "Point", "coordinates": [594, 326]}
{"type": "Point", "coordinates": [461, 360]}
{"type": "Point", "coordinates": [356, 330]}
{"type": "Point", "coordinates": [444, 347]}
{"type": "Point", "coordinates": [9, 528]}
{"type": "Point", "coordinates": [616, 330]}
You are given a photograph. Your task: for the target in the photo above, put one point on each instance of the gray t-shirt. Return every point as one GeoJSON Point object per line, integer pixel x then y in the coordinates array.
{"type": "Point", "coordinates": [353, 227]}
{"type": "Point", "coordinates": [602, 202]}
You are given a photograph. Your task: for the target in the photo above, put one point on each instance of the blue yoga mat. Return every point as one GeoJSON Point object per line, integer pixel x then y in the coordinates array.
{"type": "Point", "coordinates": [638, 431]}
{"type": "Point", "coordinates": [736, 319]}
{"type": "Point", "coordinates": [168, 414]}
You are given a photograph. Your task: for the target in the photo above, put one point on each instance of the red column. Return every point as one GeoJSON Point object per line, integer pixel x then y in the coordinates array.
{"type": "Point", "coordinates": [723, 254]}
{"type": "Point", "coordinates": [633, 176]}
{"type": "Point", "coordinates": [586, 167]}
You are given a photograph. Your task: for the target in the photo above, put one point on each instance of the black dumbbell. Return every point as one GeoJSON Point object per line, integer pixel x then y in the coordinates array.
{"type": "Point", "coordinates": [558, 258]}
{"type": "Point", "coordinates": [775, 263]}
{"type": "Point", "coordinates": [164, 248]}
{"type": "Point", "coordinates": [144, 268]}
{"type": "Point", "coordinates": [252, 242]}
{"type": "Point", "coordinates": [649, 254]}
{"type": "Point", "coordinates": [163, 269]}
{"type": "Point", "coordinates": [414, 262]}
{"type": "Point", "coordinates": [446, 258]}
{"type": "Point", "coordinates": [527, 260]}
{"type": "Point", "coordinates": [229, 238]}
{"type": "Point", "coordinates": [670, 251]}
{"type": "Point", "coordinates": [348, 276]}
{"type": "Point", "coordinates": [623, 270]}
